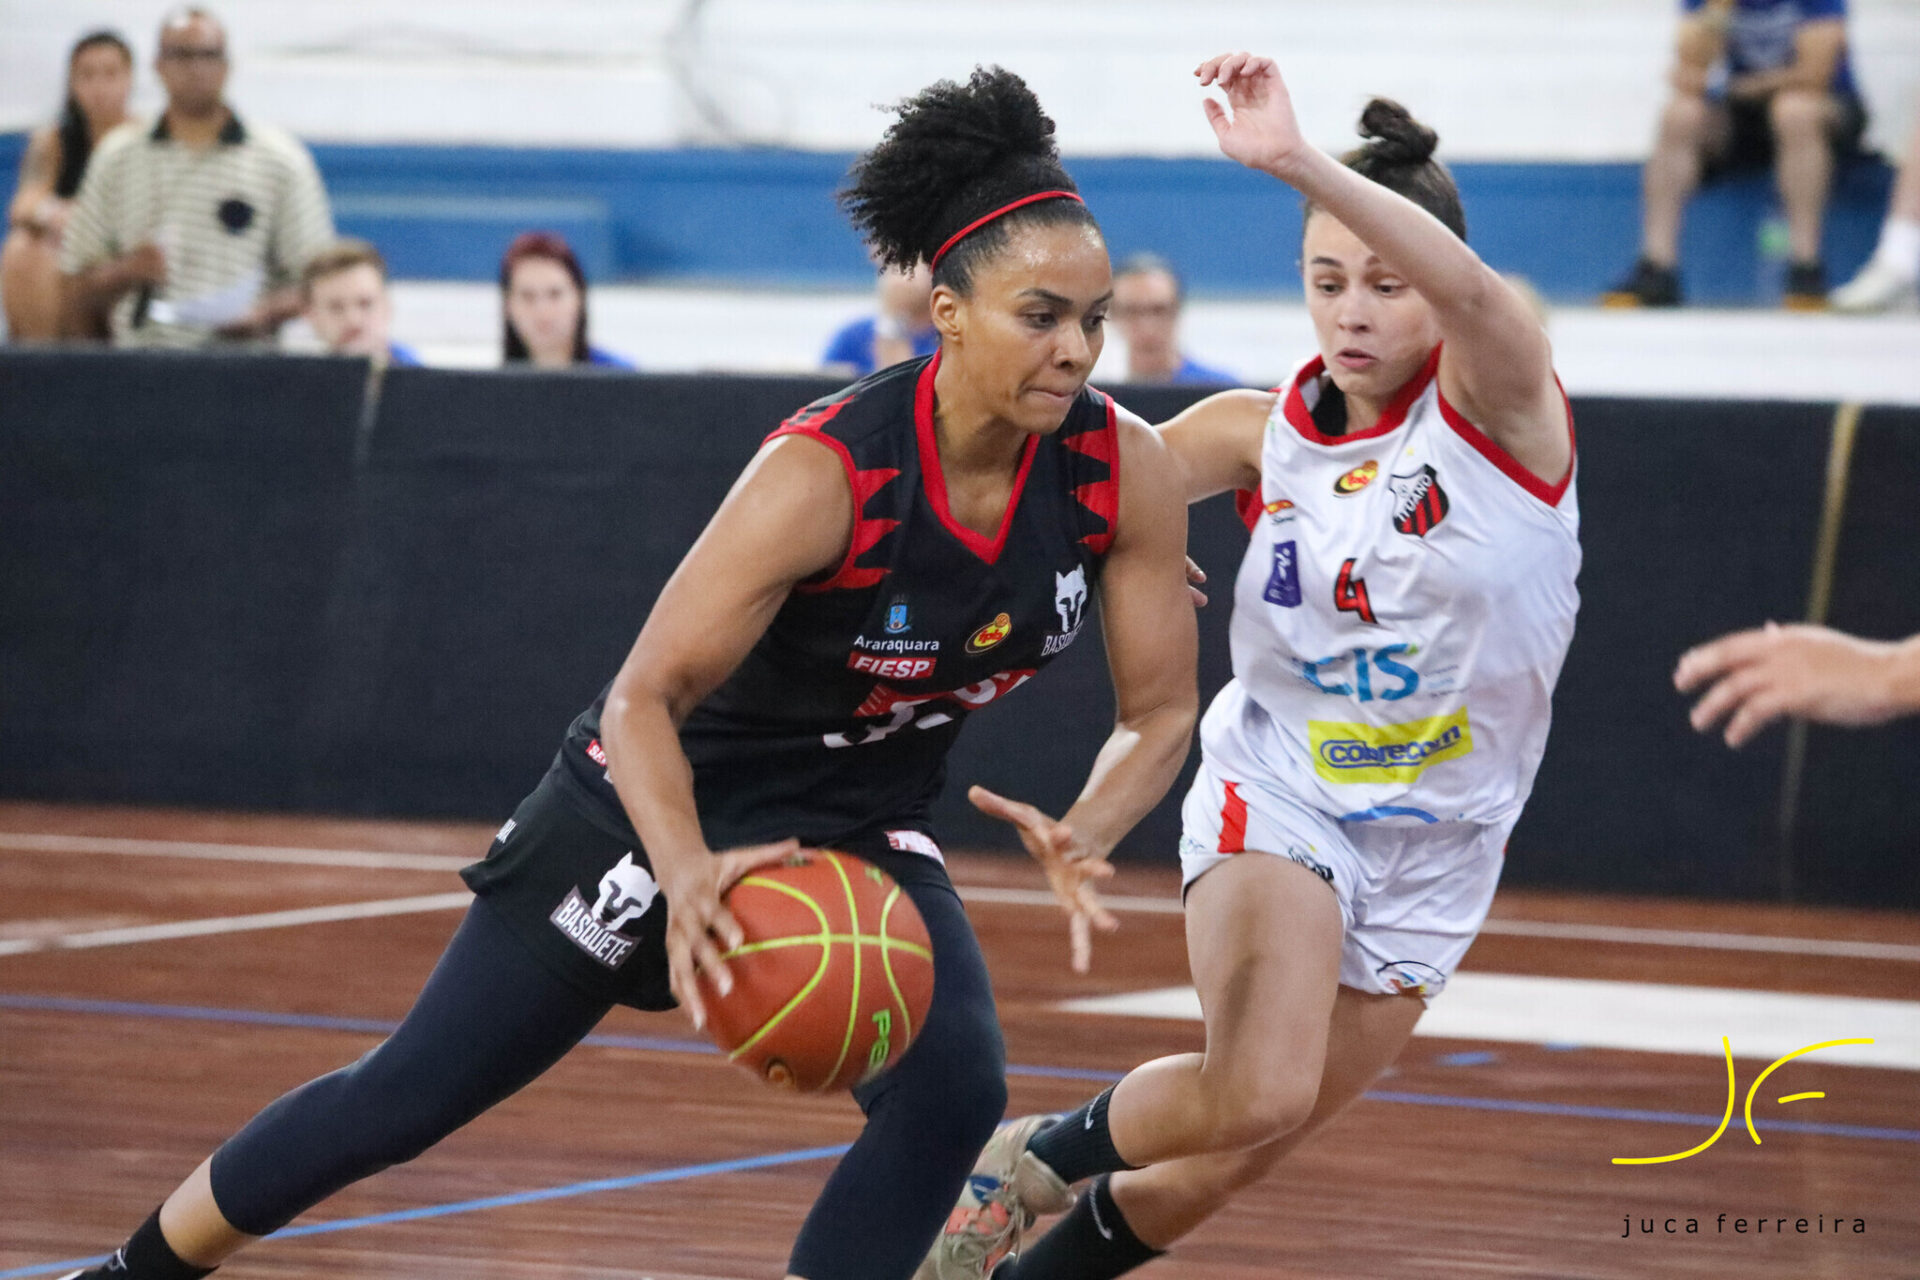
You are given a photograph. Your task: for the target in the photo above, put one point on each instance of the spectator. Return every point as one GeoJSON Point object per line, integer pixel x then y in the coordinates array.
{"type": "Point", "coordinates": [344, 290]}
{"type": "Point", "coordinates": [900, 329]}
{"type": "Point", "coordinates": [543, 299]}
{"type": "Point", "coordinates": [1147, 297]}
{"type": "Point", "coordinates": [1755, 82]}
{"type": "Point", "coordinates": [99, 80]}
{"type": "Point", "coordinates": [1891, 276]}
{"type": "Point", "coordinates": [193, 233]}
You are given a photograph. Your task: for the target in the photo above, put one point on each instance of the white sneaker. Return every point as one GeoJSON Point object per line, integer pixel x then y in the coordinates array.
{"type": "Point", "coordinates": [1009, 1190]}
{"type": "Point", "coordinates": [1878, 287]}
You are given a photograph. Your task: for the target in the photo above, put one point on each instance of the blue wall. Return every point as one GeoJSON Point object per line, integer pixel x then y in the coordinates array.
{"type": "Point", "coordinates": [768, 217]}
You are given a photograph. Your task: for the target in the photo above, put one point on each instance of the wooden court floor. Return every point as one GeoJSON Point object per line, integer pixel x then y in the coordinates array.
{"type": "Point", "coordinates": [164, 974]}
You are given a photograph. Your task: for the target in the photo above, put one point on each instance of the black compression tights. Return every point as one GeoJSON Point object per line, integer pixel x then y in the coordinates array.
{"type": "Point", "coordinates": [492, 1018]}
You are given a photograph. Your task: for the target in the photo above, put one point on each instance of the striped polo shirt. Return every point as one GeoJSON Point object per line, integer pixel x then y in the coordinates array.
{"type": "Point", "coordinates": [235, 220]}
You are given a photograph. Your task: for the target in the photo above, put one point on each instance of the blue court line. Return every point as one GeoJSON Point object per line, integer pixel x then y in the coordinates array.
{"type": "Point", "coordinates": [666, 1044]}
{"type": "Point", "coordinates": [678, 1174]}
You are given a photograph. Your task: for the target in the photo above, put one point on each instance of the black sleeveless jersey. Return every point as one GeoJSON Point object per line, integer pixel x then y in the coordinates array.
{"type": "Point", "coordinates": [839, 720]}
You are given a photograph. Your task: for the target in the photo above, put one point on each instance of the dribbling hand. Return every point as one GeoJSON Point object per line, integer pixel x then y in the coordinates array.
{"type": "Point", "coordinates": [1072, 868]}
{"type": "Point", "coordinates": [1261, 131]}
{"type": "Point", "coordinates": [699, 926]}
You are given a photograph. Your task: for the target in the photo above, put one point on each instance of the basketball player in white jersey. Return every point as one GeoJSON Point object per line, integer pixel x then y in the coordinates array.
{"type": "Point", "coordinates": [1399, 622]}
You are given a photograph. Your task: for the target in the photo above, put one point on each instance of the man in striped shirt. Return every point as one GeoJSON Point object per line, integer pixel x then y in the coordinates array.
{"type": "Point", "coordinates": [192, 232]}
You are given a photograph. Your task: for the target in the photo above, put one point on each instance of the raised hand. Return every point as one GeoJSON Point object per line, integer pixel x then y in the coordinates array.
{"type": "Point", "coordinates": [1073, 868]}
{"type": "Point", "coordinates": [1261, 131]}
{"type": "Point", "coordinates": [699, 926]}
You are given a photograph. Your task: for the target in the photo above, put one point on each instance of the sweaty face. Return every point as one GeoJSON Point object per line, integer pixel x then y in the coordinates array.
{"type": "Point", "coordinates": [350, 311]}
{"type": "Point", "coordinates": [1374, 331]}
{"type": "Point", "coordinates": [1029, 332]}
{"type": "Point", "coordinates": [193, 65]}
{"type": "Point", "coordinates": [544, 305]}
{"type": "Point", "coordinates": [101, 79]}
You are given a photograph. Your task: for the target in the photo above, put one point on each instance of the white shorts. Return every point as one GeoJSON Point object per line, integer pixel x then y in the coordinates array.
{"type": "Point", "coordinates": [1411, 897]}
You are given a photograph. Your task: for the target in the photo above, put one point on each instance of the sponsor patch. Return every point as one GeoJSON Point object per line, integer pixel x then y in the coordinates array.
{"type": "Point", "coordinates": [1280, 510]}
{"type": "Point", "coordinates": [880, 644]}
{"type": "Point", "coordinates": [990, 635]}
{"type": "Point", "coordinates": [1294, 853]}
{"type": "Point", "coordinates": [500, 836]}
{"type": "Point", "coordinates": [890, 667]}
{"type": "Point", "coordinates": [597, 753]}
{"type": "Point", "coordinates": [1419, 503]}
{"type": "Point", "coordinates": [1283, 583]}
{"type": "Point", "coordinates": [1348, 753]}
{"type": "Point", "coordinates": [897, 618]}
{"type": "Point", "coordinates": [1357, 479]}
{"type": "Point", "coordinates": [1411, 977]}
{"type": "Point", "coordinates": [915, 842]}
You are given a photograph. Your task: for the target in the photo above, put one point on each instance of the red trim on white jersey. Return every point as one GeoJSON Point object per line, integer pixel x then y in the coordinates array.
{"type": "Point", "coordinates": [1520, 475]}
{"type": "Point", "coordinates": [1391, 417]}
{"type": "Point", "coordinates": [934, 481]}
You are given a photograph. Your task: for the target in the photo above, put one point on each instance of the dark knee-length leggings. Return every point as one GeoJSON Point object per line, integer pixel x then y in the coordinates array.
{"type": "Point", "coordinates": [492, 1018]}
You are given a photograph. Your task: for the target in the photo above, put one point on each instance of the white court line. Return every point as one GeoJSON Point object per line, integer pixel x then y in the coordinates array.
{"type": "Point", "coordinates": [237, 924]}
{"type": "Point", "coordinates": [1650, 1017]}
{"type": "Point", "coordinates": [1633, 935]}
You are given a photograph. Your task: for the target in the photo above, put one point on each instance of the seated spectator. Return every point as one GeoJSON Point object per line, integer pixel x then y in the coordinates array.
{"type": "Point", "coordinates": [344, 289]}
{"type": "Point", "coordinates": [1147, 298]}
{"type": "Point", "coordinates": [193, 233]}
{"type": "Point", "coordinates": [1755, 83]}
{"type": "Point", "coordinates": [99, 80]}
{"type": "Point", "coordinates": [1891, 278]}
{"type": "Point", "coordinates": [900, 329]}
{"type": "Point", "coordinates": [543, 299]}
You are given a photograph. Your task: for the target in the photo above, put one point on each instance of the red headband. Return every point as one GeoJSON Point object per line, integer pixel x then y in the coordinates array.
{"type": "Point", "coordinates": [983, 220]}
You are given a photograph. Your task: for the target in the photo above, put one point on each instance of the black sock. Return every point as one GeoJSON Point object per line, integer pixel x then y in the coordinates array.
{"type": "Point", "coordinates": [1093, 1242]}
{"type": "Point", "coordinates": [147, 1256]}
{"type": "Point", "coordinates": [1078, 1145]}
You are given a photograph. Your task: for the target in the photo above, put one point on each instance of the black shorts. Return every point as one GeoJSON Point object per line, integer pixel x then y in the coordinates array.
{"type": "Point", "coordinates": [582, 896]}
{"type": "Point", "coordinates": [1750, 137]}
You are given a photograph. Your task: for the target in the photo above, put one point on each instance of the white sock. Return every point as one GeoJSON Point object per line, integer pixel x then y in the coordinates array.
{"type": "Point", "coordinates": [1899, 247]}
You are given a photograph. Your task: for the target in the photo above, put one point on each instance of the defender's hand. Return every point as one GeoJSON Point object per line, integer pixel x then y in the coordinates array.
{"type": "Point", "coordinates": [1813, 672]}
{"type": "Point", "coordinates": [1261, 131]}
{"type": "Point", "coordinates": [1073, 868]}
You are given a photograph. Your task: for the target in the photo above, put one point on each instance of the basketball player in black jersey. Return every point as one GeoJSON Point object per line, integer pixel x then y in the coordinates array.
{"type": "Point", "coordinates": [895, 557]}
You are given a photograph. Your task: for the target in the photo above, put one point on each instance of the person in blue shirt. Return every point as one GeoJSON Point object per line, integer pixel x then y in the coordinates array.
{"type": "Point", "coordinates": [1755, 82]}
{"type": "Point", "coordinates": [900, 329]}
{"type": "Point", "coordinates": [1147, 297]}
{"type": "Point", "coordinates": [343, 292]}
{"type": "Point", "coordinates": [543, 306]}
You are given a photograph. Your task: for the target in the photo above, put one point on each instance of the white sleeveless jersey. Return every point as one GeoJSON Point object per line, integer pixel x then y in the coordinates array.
{"type": "Point", "coordinates": [1401, 615]}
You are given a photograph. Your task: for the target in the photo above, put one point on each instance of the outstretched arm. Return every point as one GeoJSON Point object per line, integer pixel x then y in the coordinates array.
{"type": "Point", "coordinates": [1152, 648]}
{"type": "Point", "coordinates": [1497, 366]}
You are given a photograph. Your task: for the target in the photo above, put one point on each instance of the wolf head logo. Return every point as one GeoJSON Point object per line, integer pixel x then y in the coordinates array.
{"type": "Point", "coordinates": [1070, 597]}
{"type": "Point", "coordinates": [625, 894]}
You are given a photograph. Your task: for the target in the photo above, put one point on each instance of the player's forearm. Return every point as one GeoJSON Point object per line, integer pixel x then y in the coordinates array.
{"type": "Point", "coordinates": [1136, 765]}
{"type": "Point", "coordinates": [1414, 243]}
{"type": "Point", "coordinates": [1903, 678]}
{"type": "Point", "coordinates": [651, 774]}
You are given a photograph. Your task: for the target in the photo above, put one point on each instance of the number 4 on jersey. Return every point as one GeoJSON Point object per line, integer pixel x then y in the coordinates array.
{"type": "Point", "coordinates": [1350, 593]}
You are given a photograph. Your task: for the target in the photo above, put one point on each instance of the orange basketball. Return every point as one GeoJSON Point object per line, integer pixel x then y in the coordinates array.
{"type": "Point", "coordinates": [833, 979]}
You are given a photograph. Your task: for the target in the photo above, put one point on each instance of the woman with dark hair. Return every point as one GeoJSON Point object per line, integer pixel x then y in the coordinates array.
{"type": "Point", "coordinates": [99, 81]}
{"type": "Point", "coordinates": [1399, 621]}
{"type": "Point", "coordinates": [897, 556]}
{"type": "Point", "coordinates": [543, 306]}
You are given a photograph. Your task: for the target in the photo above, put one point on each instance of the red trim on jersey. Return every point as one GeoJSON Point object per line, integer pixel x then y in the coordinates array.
{"type": "Point", "coordinates": [1247, 503]}
{"type": "Point", "coordinates": [1295, 405]}
{"type": "Point", "coordinates": [1533, 484]}
{"type": "Point", "coordinates": [1233, 821]}
{"type": "Point", "coordinates": [933, 481]}
{"type": "Point", "coordinates": [864, 484]}
{"type": "Point", "coordinates": [1102, 497]}
{"type": "Point", "coordinates": [933, 263]}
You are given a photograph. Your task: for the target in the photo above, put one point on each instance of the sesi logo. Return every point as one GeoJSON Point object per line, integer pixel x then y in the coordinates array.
{"type": "Point", "coordinates": [903, 709]}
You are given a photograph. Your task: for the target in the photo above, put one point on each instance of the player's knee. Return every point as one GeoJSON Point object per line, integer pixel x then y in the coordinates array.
{"type": "Point", "coordinates": [1797, 115]}
{"type": "Point", "coordinates": [1263, 1110]}
{"type": "Point", "coordinates": [973, 1101]}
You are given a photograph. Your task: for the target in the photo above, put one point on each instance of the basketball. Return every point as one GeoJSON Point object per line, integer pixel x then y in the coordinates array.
{"type": "Point", "coordinates": [832, 979]}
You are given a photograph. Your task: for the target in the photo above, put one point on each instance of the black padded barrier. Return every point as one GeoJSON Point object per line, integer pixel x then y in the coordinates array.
{"type": "Point", "coordinates": [169, 527]}
{"type": "Point", "coordinates": [203, 602]}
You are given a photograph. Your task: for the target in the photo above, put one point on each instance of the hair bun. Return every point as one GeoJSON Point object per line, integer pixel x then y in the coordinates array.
{"type": "Point", "coordinates": [1393, 136]}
